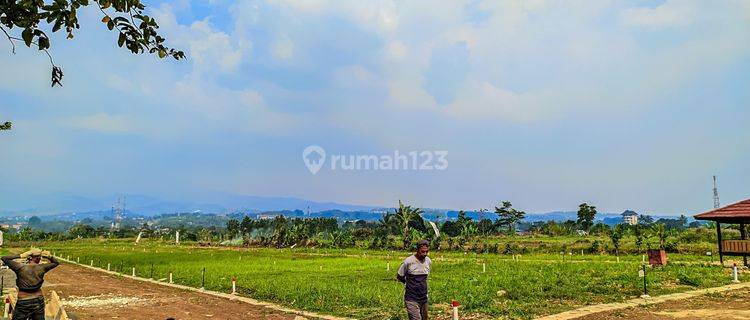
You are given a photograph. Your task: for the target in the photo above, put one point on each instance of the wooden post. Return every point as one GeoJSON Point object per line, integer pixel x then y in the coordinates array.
{"type": "Point", "coordinates": [743, 236]}
{"type": "Point", "coordinates": [721, 251]}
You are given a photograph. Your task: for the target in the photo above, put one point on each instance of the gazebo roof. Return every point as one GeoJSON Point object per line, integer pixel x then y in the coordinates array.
{"type": "Point", "coordinates": [738, 212]}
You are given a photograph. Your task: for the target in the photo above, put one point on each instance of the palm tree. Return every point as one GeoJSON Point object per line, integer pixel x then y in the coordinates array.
{"type": "Point", "coordinates": [661, 233]}
{"type": "Point", "coordinates": [405, 215]}
{"type": "Point", "coordinates": [468, 232]}
{"type": "Point", "coordinates": [298, 233]}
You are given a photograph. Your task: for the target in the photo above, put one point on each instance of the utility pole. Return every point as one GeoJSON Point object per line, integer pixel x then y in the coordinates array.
{"type": "Point", "coordinates": [716, 195]}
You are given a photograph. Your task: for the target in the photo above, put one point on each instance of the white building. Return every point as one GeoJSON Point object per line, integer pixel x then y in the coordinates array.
{"type": "Point", "coordinates": [630, 217]}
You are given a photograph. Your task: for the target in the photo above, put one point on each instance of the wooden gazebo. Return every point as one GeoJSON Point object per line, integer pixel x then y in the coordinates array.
{"type": "Point", "coordinates": [738, 213]}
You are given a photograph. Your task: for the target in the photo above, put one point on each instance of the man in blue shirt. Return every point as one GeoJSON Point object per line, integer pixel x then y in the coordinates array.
{"type": "Point", "coordinates": [414, 272]}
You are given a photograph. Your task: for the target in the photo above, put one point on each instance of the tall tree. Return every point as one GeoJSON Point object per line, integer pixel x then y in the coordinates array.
{"type": "Point", "coordinates": [508, 216]}
{"type": "Point", "coordinates": [586, 215]}
{"type": "Point", "coordinates": [645, 220]}
{"type": "Point", "coordinates": [404, 215]}
{"type": "Point", "coordinates": [616, 235]}
{"type": "Point", "coordinates": [24, 22]}
{"type": "Point", "coordinates": [246, 225]}
{"type": "Point", "coordinates": [462, 219]}
{"type": "Point", "coordinates": [233, 227]}
{"type": "Point", "coordinates": [683, 222]}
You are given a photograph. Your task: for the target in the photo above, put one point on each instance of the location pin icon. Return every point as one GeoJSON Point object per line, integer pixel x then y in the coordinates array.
{"type": "Point", "coordinates": [314, 157]}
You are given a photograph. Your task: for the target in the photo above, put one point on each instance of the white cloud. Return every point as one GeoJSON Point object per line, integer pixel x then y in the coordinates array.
{"type": "Point", "coordinates": [668, 14]}
{"type": "Point", "coordinates": [106, 123]}
{"type": "Point", "coordinates": [378, 15]}
{"type": "Point", "coordinates": [397, 50]}
{"type": "Point", "coordinates": [210, 50]}
{"type": "Point", "coordinates": [283, 48]}
{"type": "Point", "coordinates": [482, 100]}
{"type": "Point", "coordinates": [225, 109]}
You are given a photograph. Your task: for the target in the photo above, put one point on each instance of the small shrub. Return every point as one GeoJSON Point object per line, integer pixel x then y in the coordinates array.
{"type": "Point", "coordinates": [689, 280]}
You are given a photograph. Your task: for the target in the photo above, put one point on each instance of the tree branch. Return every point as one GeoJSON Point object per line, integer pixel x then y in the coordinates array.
{"type": "Point", "coordinates": [13, 44]}
{"type": "Point", "coordinates": [45, 50]}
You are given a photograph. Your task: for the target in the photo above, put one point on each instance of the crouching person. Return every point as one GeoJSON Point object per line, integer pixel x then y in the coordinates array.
{"type": "Point", "coordinates": [29, 280]}
{"type": "Point", "coordinates": [413, 272]}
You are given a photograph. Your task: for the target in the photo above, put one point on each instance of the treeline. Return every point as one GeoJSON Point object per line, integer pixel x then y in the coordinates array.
{"type": "Point", "coordinates": [495, 232]}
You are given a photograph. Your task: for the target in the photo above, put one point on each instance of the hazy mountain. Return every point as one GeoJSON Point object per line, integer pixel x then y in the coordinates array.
{"type": "Point", "coordinates": [51, 204]}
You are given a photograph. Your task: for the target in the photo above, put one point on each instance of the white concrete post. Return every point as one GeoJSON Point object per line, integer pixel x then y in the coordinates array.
{"type": "Point", "coordinates": [454, 304]}
{"type": "Point", "coordinates": [484, 267]}
{"type": "Point", "coordinates": [388, 267]}
{"type": "Point", "coordinates": [234, 285]}
{"type": "Point", "coordinates": [734, 274]}
{"type": "Point", "coordinates": [170, 278]}
{"type": "Point", "coordinates": [177, 237]}
{"type": "Point", "coordinates": [1, 238]}
{"type": "Point", "coordinates": [92, 263]}
{"type": "Point", "coordinates": [78, 259]}
{"type": "Point", "coordinates": [134, 271]}
{"type": "Point", "coordinates": [107, 266]}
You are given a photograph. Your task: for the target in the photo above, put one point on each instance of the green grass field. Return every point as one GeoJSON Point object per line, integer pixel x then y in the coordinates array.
{"type": "Point", "coordinates": [356, 283]}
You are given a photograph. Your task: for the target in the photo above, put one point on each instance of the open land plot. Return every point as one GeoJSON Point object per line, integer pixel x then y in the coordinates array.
{"type": "Point", "coordinates": [358, 283]}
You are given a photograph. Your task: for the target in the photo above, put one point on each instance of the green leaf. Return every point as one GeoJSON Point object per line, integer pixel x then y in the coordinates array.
{"type": "Point", "coordinates": [57, 26]}
{"type": "Point", "coordinates": [110, 25]}
{"type": "Point", "coordinates": [43, 43]}
{"type": "Point", "coordinates": [162, 54]}
{"type": "Point", "coordinates": [121, 40]}
{"type": "Point", "coordinates": [27, 35]}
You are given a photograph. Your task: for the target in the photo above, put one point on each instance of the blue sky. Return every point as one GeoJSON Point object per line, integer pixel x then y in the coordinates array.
{"type": "Point", "coordinates": [622, 104]}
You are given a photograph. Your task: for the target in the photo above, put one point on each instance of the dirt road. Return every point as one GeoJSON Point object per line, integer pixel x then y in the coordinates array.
{"type": "Point", "coordinates": [730, 305]}
{"type": "Point", "coordinates": [89, 294]}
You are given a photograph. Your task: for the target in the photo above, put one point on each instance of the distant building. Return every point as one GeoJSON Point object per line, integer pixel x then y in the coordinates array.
{"type": "Point", "coordinates": [630, 217]}
{"type": "Point", "coordinates": [16, 226]}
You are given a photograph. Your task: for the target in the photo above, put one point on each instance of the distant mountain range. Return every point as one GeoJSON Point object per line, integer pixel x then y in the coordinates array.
{"type": "Point", "coordinates": [147, 205]}
{"type": "Point", "coordinates": [64, 205]}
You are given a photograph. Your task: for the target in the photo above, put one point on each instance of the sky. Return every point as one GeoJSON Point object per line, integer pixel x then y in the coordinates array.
{"type": "Point", "coordinates": [548, 104]}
